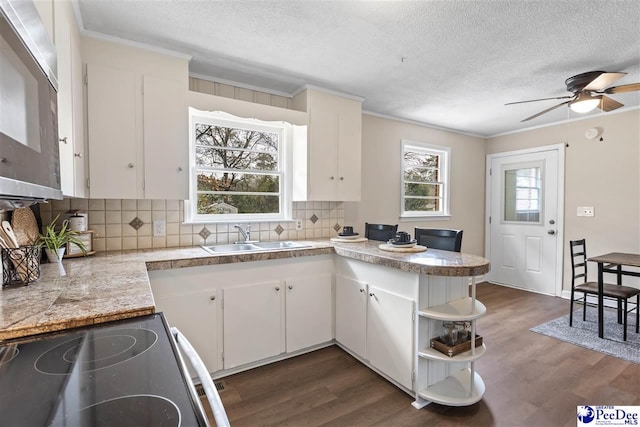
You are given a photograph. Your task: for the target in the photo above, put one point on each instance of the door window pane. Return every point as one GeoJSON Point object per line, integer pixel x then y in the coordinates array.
{"type": "Point", "coordinates": [522, 194]}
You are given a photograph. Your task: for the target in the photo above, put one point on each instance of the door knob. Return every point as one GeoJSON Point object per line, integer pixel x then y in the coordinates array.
{"type": "Point", "coordinates": [551, 222]}
{"type": "Point", "coordinates": [551, 232]}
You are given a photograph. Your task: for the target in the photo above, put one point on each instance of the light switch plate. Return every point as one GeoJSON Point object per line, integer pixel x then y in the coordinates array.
{"type": "Point", "coordinates": [585, 211]}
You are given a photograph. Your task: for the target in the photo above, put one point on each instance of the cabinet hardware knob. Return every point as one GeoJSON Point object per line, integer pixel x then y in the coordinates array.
{"type": "Point", "coordinates": [63, 139]}
{"type": "Point", "coordinates": [290, 287]}
{"type": "Point", "coordinates": [130, 165]}
{"type": "Point", "coordinates": [342, 178]}
{"type": "Point", "coordinates": [78, 155]}
{"type": "Point", "coordinates": [179, 168]}
{"type": "Point", "coordinates": [332, 177]}
{"type": "Point", "coordinates": [212, 298]}
{"type": "Point", "coordinates": [371, 294]}
{"type": "Point", "coordinates": [361, 290]}
{"type": "Point", "coordinates": [277, 288]}
{"type": "Point", "coordinates": [3, 160]}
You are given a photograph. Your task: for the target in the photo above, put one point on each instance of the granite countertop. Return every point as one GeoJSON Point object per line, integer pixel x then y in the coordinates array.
{"type": "Point", "coordinates": [115, 285]}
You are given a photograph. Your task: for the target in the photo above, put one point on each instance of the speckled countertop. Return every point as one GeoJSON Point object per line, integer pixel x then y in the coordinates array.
{"type": "Point", "coordinates": [115, 285]}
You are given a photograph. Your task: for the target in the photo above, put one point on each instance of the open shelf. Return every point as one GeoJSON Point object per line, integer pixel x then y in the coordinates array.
{"type": "Point", "coordinates": [430, 353]}
{"type": "Point", "coordinates": [459, 309]}
{"type": "Point", "coordinates": [454, 390]}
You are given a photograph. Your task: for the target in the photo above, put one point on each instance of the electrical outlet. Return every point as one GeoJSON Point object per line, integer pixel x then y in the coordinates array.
{"type": "Point", "coordinates": [159, 228]}
{"type": "Point", "coordinates": [585, 211]}
{"type": "Point", "coordinates": [298, 224]}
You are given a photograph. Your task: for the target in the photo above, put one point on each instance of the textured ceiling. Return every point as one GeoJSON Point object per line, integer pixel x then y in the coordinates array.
{"type": "Point", "coordinates": [451, 64]}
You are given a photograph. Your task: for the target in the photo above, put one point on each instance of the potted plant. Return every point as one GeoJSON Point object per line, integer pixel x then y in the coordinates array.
{"type": "Point", "coordinates": [55, 242]}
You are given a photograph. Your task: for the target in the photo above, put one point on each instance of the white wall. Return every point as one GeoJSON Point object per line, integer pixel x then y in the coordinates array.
{"type": "Point", "coordinates": [381, 163]}
{"type": "Point", "coordinates": [603, 174]}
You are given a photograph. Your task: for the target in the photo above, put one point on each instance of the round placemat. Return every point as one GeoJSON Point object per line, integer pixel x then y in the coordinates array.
{"type": "Point", "coordinates": [389, 248]}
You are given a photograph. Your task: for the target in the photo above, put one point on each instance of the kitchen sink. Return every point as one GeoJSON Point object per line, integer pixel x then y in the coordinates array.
{"type": "Point", "coordinates": [253, 247]}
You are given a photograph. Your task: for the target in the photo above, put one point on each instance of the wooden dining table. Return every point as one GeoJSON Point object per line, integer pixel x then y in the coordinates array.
{"type": "Point", "coordinates": [613, 263]}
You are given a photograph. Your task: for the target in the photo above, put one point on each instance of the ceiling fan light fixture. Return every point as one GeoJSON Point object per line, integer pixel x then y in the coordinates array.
{"type": "Point", "coordinates": [584, 103]}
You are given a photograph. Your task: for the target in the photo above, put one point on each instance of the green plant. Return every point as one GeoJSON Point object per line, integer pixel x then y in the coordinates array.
{"type": "Point", "coordinates": [54, 240]}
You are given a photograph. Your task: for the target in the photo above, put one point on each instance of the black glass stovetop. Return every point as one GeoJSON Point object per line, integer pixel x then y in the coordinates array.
{"type": "Point", "coordinates": [123, 373]}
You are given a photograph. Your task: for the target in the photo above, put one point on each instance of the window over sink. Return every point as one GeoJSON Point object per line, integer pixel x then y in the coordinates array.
{"type": "Point", "coordinates": [425, 180]}
{"type": "Point", "coordinates": [239, 168]}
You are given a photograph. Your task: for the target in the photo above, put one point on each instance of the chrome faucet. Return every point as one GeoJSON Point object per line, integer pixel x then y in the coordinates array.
{"type": "Point", "coordinates": [246, 233]}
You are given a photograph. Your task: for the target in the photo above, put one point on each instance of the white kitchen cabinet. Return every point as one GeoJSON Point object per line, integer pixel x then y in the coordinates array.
{"type": "Point", "coordinates": [166, 142]}
{"type": "Point", "coordinates": [309, 318]}
{"type": "Point", "coordinates": [253, 322]}
{"type": "Point", "coordinates": [351, 314]}
{"type": "Point", "coordinates": [377, 325]}
{"type": "Point", "coordinates": [138, 136]}
{"type": "Point", "coordinates": [115, 157]}
{"type": "Point", "coordinates": [329, 166]}
{"type": "Point", "coordinates": [195, 314]}
{"type": "Point", "coordinates": [390, 335]}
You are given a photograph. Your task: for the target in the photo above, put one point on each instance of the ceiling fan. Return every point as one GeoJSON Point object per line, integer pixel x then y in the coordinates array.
{"type": "Point", "coordinates": [589, 91]}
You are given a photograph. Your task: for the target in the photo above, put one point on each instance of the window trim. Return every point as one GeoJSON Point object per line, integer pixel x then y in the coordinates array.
{"type": "Point", "coordinates": [445, 153]}
{"type": "Point", "coordinates": [285, 170]}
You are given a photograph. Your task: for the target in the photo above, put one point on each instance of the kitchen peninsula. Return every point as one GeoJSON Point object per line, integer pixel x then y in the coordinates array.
{"type": "Point", "coordinates": [117, 285]}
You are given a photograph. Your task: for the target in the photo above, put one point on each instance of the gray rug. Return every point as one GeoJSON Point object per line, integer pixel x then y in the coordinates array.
{"type": "Point", "coordinates": [585, 334]}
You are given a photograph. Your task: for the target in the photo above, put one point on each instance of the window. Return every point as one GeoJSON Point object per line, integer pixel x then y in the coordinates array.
{"type": "Point", "coordinates": [238, 169]}
{"type": "Point", "coordinates": [522, 194]}
{"type": "Point", "coordinates": [425, 176]}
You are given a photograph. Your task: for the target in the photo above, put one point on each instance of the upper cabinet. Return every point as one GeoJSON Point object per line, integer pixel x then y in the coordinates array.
{"type": "Point", "coordinates": [329, 166]}
{"type": "Point", "coordinates": [60, 22]}
{"type": "Point", "coordinates": [137, 119]}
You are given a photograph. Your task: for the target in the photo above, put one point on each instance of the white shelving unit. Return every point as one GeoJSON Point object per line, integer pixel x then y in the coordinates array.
{"type": "Point", "coordinates": [442, 379]}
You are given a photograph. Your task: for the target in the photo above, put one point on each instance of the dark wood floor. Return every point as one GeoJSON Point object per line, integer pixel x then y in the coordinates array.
{"type": "Point", "coordinates": [531, 379]}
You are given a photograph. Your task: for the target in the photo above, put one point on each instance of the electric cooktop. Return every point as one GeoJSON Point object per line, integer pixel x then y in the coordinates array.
{"type": "Point", "coordinates": [124, 373]}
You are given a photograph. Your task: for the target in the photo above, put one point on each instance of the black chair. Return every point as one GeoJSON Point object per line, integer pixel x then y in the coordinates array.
{"type": "Point", "coordinates": [618, 292]}
{"type": "Point", "coordinates": [439, 238]}
{"type": "Point", "coordinates": [381, 232]}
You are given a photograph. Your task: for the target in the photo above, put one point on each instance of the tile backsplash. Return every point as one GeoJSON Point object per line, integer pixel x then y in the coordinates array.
{"type": "Point", "coordinates": [128, 224]}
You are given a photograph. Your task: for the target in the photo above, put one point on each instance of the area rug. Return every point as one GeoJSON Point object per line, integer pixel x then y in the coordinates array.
{"type": "Point", "coordinates": [585, 334]}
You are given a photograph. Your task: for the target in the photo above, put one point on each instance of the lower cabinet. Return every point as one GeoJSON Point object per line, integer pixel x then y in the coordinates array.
{"type": "Point", "coordinates": [378, 326]}
{"type": "Point", "coordinates": [237, 315]}
{"type": "Point", "coordinates": [194, 312]}
{"type": "Point", "coordinates": [252, 323]}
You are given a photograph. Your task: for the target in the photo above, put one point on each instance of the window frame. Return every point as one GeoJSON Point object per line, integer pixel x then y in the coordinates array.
{"type": "Point", "coordinates": [445, 165]}
{"type": "Point", "coordinates": [284, 170]}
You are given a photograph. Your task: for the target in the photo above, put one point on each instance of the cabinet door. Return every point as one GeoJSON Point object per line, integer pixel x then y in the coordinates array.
{"type": "Point", "coordinates": [351, 314]}
{"type": "Point", "coordinates": [65, 101]}
{"type": "Point", "coordinates": [308, 311]}
{"type": "Point", "coordinates": [166, 139]}
{"type": "Point", "coordinates": [323, 154]}
{"type": "Point", "coordinates": [195, 313]}
{"type": "Point", "coordinates": [349, 156]}
{"type": "Point", "coordinates": [253, 326]}
{"type": "Point", "coordinates": [77, 90]}
{"type": "Point", "coordinates": [111, 109]}
{"type": "Point", "coordinates": [390, 335]}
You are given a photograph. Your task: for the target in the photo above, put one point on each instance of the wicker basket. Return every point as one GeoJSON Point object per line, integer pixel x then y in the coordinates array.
{"type": "Point", "coordinates": [452, 350]}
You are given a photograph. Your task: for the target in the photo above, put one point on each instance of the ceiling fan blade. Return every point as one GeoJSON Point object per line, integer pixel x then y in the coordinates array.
{"type": "Point", "coordinates": [624, 88]}
{"type": "Point", "coordinates": [546, 111]}
{"type": "Point", "coordinates": [541, 99]}
{"type": "Point", "coordinates": [603, 80]}
{"type": "Point", "coordinates": [609, 104]}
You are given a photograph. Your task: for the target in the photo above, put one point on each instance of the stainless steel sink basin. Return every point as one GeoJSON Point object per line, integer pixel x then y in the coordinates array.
{"type": "Point", "coordinates": [253, 247]}
{"type": "Point", "coordinates": [281, 245]}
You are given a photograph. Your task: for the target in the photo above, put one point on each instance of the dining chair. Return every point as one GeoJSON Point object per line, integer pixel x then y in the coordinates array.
{"type": "Point", "coordinates": [439, 238]}
{"type": "Point", "coordinates": [381, 232]}
{"type": "Point", "coordinates": [580, 283]}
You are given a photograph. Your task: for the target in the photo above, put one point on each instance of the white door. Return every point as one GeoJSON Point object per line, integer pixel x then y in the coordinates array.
{"type": "Point", "coordinates": [351, 314]}
{"type": "Point", "coordinates": [390, 335]}
{"type": "Point", "coordinates": [525, 219]}
{"type": "Point", "coordinates": [308, 311]}
{"type": "Point", "coordinates": [253, 328]}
